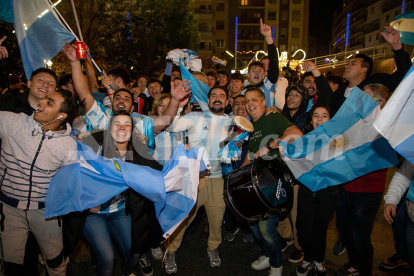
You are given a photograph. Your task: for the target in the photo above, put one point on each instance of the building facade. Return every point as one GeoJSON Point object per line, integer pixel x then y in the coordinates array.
{"type": "Point", "coordinates": [289, 20]}
{"type": "Point", "coordinates": [366, 20]}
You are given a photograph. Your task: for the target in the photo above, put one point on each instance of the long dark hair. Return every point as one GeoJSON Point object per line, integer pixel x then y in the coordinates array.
{"type": "Point", "coordinates": [308, 127]}
{"type": "Point", "coordinates": [109, 147]}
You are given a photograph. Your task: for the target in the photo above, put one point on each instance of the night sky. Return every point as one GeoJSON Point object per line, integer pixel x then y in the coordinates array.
{"type": "Point", "coordinates": [320, 19]}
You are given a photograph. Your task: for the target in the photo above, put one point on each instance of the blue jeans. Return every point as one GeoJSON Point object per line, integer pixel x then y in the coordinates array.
{"type": "Point", "coordinates": [409, 237]}
{"type": "Point", "coordinates": [354, 220]}
{"type": "Point", "coordinates": [98, 230]}
{"type": "Point", "coordinates": [268, 239]}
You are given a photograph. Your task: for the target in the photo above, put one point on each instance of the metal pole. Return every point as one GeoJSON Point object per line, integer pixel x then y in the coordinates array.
{"type": "Point", "coordinates": [236, 44]}
{"type": "Point", "coordinates": [76, 19]}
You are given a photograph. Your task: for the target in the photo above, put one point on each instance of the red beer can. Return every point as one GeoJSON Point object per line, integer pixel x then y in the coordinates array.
{"type": "Point", "coordinates": [80, 50]}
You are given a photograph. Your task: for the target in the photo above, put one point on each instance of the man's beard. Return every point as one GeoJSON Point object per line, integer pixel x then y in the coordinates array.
{"type": "Point", "coordinates": [217, 110]}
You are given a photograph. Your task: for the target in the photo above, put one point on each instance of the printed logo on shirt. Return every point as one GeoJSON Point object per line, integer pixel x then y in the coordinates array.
{"type": "Point", "coordinates": [178, 137]}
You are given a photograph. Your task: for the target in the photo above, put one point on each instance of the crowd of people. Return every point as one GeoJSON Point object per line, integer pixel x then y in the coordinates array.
{"type": "Point", "coordinates": [142, 121]}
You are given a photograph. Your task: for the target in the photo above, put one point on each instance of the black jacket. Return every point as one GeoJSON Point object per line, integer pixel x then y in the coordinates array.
{"type": "Point", "coordinates": [403, 63]}
{"type": "Point", "coordinates": [135, 204]}
{"type": "Point", "coordinates": [17, 103]}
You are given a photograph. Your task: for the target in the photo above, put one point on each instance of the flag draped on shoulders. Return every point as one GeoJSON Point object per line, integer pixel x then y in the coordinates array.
{"type": "Point", "coordinates": [396, 121]}
{"type": "Point", "coordinates": [39, 32]}
{"type": "Point", "coordinates": [92, 180]}
{"type": "Point", "coordinates": [342, 149]}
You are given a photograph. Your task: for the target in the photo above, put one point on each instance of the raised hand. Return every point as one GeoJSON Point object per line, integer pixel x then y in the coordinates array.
{"type": "Point", "coordinates": [3, 50]}
{"type": "Point", "coordinates": [181, 91]}
{"type": "Point", "coordinates": [392, 37]}
{"type": "Point", "coordinates": [266, 30]}
{"type": "Point", "coordinates": [70, 51]}
{"type": "Point", "coordinates": [309, 66]}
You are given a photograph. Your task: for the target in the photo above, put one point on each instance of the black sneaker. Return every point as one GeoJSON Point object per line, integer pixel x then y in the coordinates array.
{"type": "Point", "coordinates": [229, 236]}
{"type": "Point", "coordinates": [304, 268]}
{"type": "Point", "coordinates": [393, 262]}
{"type": "Point", "coordinates": [339, 247]}
{"type": "Point", "coordinates": [320, 269]}
{"type": "Point", "coordinates": [285, 242]}
{"type": "Point", "coordinates": [145, 266]}
{"type": "Point", "coordinates": [296, 256]}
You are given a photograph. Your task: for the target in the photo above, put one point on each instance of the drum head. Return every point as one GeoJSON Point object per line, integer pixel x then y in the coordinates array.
{"type": "Point", "coordinates": [243, 123]}
{"type": "Point", "coordinates": [275, 182]}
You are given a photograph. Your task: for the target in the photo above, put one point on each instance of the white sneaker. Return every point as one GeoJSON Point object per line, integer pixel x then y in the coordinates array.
{"type": "Point", "coordinates": [157, 253]}
{"type": "Point", "coordinates": [276, 271]}
{"type": "Point", "coordinates": [261, 263]}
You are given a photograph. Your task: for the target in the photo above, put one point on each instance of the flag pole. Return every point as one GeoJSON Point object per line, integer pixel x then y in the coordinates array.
{"type": "Point", "coordinates": [76, 19]}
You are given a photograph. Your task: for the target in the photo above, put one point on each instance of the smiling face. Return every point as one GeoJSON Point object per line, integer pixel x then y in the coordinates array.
{"type": "Point", "coordinates": [41, 85]}
{"type": "Point", "coordinates": [354, 69]}
{"type": "Point", "coordinates": [217, 101]}
{"type": "Point", "coordinates": [294, 99]}
{"type": "Point", "coordinates": [48, 109]}
{"type": "Point", "coordinates": [239, 107]}
{"type": "Point", "coordinates": [255, 105]}
{"type": "Point", "coordinates": [320, 116]}
{"type": "Point", "coordinates": [154, 89]}
{"type": "Point", "coordinates": [309, 83]}
{"type": "Point", "coordinates": [256, 74]}
{"type": "Point", "coordinates": [175, 74]}
{"type": "Point", "coordinates": [211, 81]}
{"type": "Point", "coordinates": [121, 129]}
{"type": "Point", "coordinates": [142, 84]}
{"type": "Point", "coordinates": [163, 106]}
{"type": "Point", "coordinates": [222, 79]}
{"type": "Point", "coordinates": [122, 101]}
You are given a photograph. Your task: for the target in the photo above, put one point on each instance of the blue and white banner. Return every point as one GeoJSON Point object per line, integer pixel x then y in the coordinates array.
{"type": "Point", "coordinates": [188, 57]}
{"type": "Point", "coordinates": [404, 23]}
{"type": "Point", "coordinates": [199, 90]}
{"type": "Point", "coordinates": [231, 151]}
{"type": "Point", "coordinates": [396, 120]}
{"type": "Point", "coordinates": [39, 32]}
{"type": "Point", "coordinates": [342, 149]}
{"type": "Point", "coordinates": [92, 180]}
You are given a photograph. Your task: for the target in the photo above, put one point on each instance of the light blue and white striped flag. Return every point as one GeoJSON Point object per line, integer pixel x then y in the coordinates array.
{"type": "Point", "coordinates": [230, 151]}
{"type": "Point", "coordinates": [404, 23]}
{"type": "Point", "coordinates": [396, 120]}
{"type": "Point", "coordinates": [342, 149]}
{"type": "Point", "coordinates": [93, 179]}
{"type": "Point", "coordinates": [39, 32]}
{"type": "Point", "coordinates": [199, 90]}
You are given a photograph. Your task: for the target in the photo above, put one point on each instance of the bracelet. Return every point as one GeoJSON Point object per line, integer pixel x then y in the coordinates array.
{"type": "Point", "coordinates": [278, 142]}
{"type": "Point", "coordinates": [110, 94]}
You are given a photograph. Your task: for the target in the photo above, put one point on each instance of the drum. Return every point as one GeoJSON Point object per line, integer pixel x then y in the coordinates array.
{"type": "Point", "coordinates": [260, 189]}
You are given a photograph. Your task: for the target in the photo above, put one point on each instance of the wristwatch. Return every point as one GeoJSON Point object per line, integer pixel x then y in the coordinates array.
{"type": "Point", "coordinates": [268, 146]}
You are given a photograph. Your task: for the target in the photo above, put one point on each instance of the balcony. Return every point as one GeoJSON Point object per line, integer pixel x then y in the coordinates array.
{"type": "Point", "coordinates": [201, 13]}
{"type": "Point", "coordinates": [204, 31]}
{"type": "Point", "coordinates": [251, 4]}
{"type": "Point", "coordinates": [249, 20]}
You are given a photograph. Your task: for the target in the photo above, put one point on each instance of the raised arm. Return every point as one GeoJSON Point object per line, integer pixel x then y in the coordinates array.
{"type": "Point", "coordinates": [273, 71]}
{"type": "Point", "coordinates": [166, 79]}
{"type": "Point", "coordinates": [177, 94]}
{"type": "Point", "coordinates": [79, 81]}
{"type": "Point", "coordinates": [325, 92]}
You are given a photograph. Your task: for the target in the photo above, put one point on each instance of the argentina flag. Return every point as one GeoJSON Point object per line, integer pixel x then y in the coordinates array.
{"type": "Point", "coordinates": [396, 121]}
{"type": "Point", "coordinates": [92, 180]}
{"type": "Point", "coordinates": [342, 149]}
{"type": "Point", "coordinates": [199, 90]}
{"type": "Point", "coordinates": [404, 23]}
{"type": "Point", "coordinates": [39, 32]}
